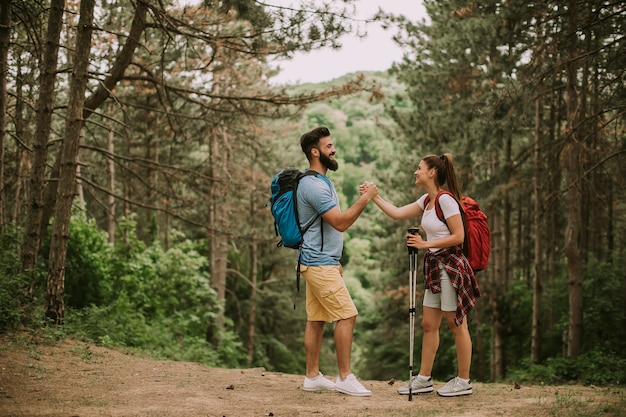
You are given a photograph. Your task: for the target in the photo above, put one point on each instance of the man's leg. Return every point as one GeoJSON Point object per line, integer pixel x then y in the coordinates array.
{"type": "Point", "coordinates": [343, 345]}
{"type": "Point", "coordinates": [313, 333]}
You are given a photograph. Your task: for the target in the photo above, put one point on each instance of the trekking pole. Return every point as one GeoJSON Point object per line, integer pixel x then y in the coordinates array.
{"type": "Point", "coordinates": [412, 297]}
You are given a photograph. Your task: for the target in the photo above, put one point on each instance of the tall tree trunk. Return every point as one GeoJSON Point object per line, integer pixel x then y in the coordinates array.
{"type": "Point", "coordinates": [80, 191]}
{"type": "Point", "coordinates": [111, 196]}
{"type": "Point", "coordinates": [497, 254]}
{"type": "Point", "coordinates": [219, 210]}
{"type": "Point", "coordinates": [22, 155]}
{"type": "Point", "coordinates": [45, 104]}
{"type": "Point", "coordinates": [5, 38]}
{"type": "Point", "coordinates": [572, 159]}
{"type": "Point", "coordinates": [69, 155]}
{"type": "Point", "coordinates": [535, 354]}
{"type": "Point", "coordinates": [552, 207]}
{"type": "Point", "coordinates": [500, 276]}
{"type": "Point", "coordinates": [114, 75]}
{"type": "Point", "coordinates": [218, 218]}
{"type": "Point", "coordinates": [253, 298]}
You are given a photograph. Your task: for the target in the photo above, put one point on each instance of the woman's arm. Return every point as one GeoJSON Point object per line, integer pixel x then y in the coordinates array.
{"type": "Point", "coordinates": [398, 213]}
{"type": "Point", "coordinates": [456, 237]}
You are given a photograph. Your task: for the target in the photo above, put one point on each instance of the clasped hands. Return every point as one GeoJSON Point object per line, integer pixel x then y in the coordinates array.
{"type": "Point", "coordinates": [368, 188]}
{"type": "Point", "coordinates": [412, 240]}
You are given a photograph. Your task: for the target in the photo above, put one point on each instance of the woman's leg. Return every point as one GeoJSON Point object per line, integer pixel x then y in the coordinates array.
{"type": "Point", "coordinates": [431, 321]}
{"type": "Point", "coordinates": [463, 343]}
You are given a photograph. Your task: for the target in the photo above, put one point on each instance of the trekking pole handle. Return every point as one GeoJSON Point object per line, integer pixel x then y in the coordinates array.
{"type": "Point", "coordinates": [413, 231]}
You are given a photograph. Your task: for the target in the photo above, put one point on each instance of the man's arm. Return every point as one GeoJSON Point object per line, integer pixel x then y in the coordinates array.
{"type": "Point", "coordinates": [343, 220]}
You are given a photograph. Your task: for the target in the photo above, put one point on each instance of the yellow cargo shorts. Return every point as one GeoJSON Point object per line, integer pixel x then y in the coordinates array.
{"type": "Point", "coordinates": [327, 297]}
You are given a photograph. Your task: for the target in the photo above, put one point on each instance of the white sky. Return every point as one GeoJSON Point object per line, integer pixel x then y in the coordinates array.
{"type": "Point", "coordinates": [376, 52]}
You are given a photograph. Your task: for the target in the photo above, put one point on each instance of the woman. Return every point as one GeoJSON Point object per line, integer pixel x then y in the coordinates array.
{"type": "Point", "coordinates": [451, 288]}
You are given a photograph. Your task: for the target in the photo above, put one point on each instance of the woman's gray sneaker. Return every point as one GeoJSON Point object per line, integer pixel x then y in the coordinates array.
{"type": "Point", "coordinates": [418, 386]}
{"type": "Point", "coordinates": [455, 387]}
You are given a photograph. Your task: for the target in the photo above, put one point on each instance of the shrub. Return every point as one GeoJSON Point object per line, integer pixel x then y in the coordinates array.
{"type": "Point", "coordinates": [14, 287]}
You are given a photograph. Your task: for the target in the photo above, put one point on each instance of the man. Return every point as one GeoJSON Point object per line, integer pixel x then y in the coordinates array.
{"type": "Point", "coordinates": [327, 298]}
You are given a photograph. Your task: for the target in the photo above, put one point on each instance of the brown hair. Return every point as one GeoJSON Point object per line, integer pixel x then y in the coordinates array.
{"type": "Point", "coordinates": [446, 177]}
{"type": "Point", "coordinates": [311, 139]}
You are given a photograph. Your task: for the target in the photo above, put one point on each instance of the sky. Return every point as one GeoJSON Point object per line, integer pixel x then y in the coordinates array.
{"type": "Point", "coordinates": [376, 52]}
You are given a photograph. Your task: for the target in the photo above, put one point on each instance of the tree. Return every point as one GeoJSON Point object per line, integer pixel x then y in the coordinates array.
{"type": "Point", "coordinates": [472, 73]}
{"type": "Point", "coordinates": [45, 107]}
{"type": "Point", "coordinates": [69, 154]}
{"type": "Point", "coordinates": [242, 29]}
{"type": "Point", "coordinates": [5, 35]}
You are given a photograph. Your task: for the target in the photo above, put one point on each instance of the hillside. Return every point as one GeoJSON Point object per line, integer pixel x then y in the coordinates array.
{"type": "Point", "coordinates": [72, 378]}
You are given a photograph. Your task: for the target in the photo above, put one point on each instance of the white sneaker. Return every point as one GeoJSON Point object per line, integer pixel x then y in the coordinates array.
{"type": "Point", "coordinates": [351, 386]}
{"type": "Point", "coordinates": [319, 383]}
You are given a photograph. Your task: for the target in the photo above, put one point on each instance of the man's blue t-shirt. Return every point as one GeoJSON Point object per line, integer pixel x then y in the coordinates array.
{"type": "Point", "coordinates": [317, 195]}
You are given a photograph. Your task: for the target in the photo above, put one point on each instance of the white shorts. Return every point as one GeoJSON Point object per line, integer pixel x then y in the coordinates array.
{"type": "Point", "coordinates": [446, 300]}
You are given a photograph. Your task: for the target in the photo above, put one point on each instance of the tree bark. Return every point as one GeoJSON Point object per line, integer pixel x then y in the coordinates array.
{"type": "Point", "coordinates": [45, 103]}
{"type": "Point", "coordinates": [500, 274]}
{"type": "Point", "coordinates": [253, 298]}
{"type": "Point", "coordinates": [218, 219]}
{"type": "Point", "coordinates": [571, 156]}
{"type": "Point", "coordinates": [111, 196]}
{"type": "Point", "coordinates": [69, 155]}
{"type": "Point", "coordinates": [5, 38]}
{"type": "Point", "coordinates": [48, 199]}
{"type": "Point", "coordinates": [572, 159]}
{"type": "Point", "coordinates": [535, 354]}
{"type": "Point", "coordinates": [219, 210]}
{"type": "Point", "coordinates": [497, 270]}
{"type": "Point", "coordinates": [122, 61]}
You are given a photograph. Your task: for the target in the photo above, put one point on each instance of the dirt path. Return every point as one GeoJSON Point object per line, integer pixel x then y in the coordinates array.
{"type": "Point", "coordinates": [73, 379]}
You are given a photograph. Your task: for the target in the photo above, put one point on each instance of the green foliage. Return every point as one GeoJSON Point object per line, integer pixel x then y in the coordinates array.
{"type": "Point", "coordinates": [516, 313]}
{"type": "Point", "coordinates": [599, 367]}
{"type": "Point", "coordinates": [144, 297]}
{"type": "Point", "coordinates": [279, 328]}
{"type": "Point", "coordinates": [13, 285]}
{"type": "Point", "coordinates": [591, 368]}
{"type": "Point", "coordinates": [605, 313]}
{"type": "Point", "coordinates": [87, 263]}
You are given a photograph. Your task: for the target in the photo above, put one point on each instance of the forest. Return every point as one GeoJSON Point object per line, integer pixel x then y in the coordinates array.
{"type": "Point", "coordinates": [140, 137]}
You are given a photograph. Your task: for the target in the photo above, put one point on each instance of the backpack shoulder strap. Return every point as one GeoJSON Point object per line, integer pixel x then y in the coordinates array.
{"type": "Point", "coordinates": [312, 220]}
{"type": "Point", "coordinates": [439, 212]}
{"type": "Point", "coordinates": [437, 205]}
{"type": "Point", "coordinates": [309, 223]}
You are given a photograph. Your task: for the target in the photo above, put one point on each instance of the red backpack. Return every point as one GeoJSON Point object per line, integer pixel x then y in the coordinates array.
{"type": "Point", "coordinates": [477, 244]}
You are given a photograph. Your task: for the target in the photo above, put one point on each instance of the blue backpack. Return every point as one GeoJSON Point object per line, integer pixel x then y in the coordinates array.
{"type": "Point", "coordinates": [284, 207]}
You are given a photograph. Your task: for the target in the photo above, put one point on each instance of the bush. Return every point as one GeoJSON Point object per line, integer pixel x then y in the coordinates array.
{"type": "Point", "coordinates": [591, 368]}
{"type": "Point", "coordinates": [14, 287]}
{"type": "Point", "coordinates": [156, 301]}
{"type": "Point", "coordinates": [601, 368]}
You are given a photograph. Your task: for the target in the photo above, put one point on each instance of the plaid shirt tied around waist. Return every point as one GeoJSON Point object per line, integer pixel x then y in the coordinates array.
{"type": "Point", "coordinates": [461, 276]}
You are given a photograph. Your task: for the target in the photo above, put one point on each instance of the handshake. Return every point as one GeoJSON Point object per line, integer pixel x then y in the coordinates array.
{"type": "Point", "coordinates": [368, 188]}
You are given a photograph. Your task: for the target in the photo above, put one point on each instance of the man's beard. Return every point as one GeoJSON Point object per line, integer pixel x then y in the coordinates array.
{"type": "Point", "coordinates": [328, 163]}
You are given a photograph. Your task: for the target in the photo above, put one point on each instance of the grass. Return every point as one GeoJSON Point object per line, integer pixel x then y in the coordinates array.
{"type": "Point", "coordinates": [571, 405]}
